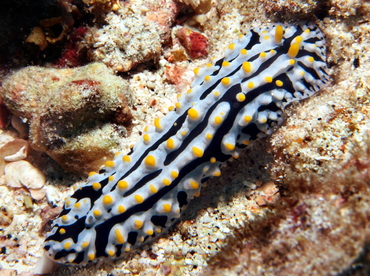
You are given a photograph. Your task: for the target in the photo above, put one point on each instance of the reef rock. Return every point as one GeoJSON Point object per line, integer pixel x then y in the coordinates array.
{"type": "Point", "coordinates": [73, 114]}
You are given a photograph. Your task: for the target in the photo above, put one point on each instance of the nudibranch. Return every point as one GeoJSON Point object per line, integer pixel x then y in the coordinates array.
{"type": "Point", "coordinates": [236, 100]}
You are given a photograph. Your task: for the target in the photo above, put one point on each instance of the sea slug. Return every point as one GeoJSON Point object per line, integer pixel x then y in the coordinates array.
{"type": "Point", "coordinates": [232, 102]}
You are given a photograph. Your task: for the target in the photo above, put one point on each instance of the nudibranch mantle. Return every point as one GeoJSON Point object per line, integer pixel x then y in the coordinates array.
{"type": "Point", "coordinates": [239, 98]}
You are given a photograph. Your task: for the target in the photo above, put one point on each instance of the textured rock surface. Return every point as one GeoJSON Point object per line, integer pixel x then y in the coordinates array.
{"type": "Point", "coordinates": [73, 114]}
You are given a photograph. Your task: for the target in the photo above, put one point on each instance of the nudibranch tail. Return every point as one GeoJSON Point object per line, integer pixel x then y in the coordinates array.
{"type": "Point", "coordinates": [239, 98]}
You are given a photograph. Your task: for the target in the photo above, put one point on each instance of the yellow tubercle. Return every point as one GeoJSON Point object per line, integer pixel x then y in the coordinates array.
{"type": "Point", "coordinates": [157, 123]}
{"type": "Point", "coordinates": [153, 189]}
{"type": "Point", "coordinates": [146, 137]}
{"type": "Point", "coordinates": [138, 224]}
{"type": "Point", "coordinates": [229, 146]}
{"type": "Point", "coordinates": [111, 178]}
{"type": "Point", "coordinates": [247, 67]}
{"type": "Point", "coordinates": [119, 237]}
{"type": "Point", "coordinates": [167, 207]}
{"type": "Point", "coordinates": [170, 143]}
{"type": "Point", "coordinates": [97, 213]}
{"type": "Point", "coordinates": [96, 186]}
{"type": "Point", "coordinates": [197, 152]}
{"type": "Point", "coordinates": [225, 63]}
{"type": "Point", "coordinates": [126, 158]}
{"type": "Point", "coordinates": [225, 81]}
{"type": "Point", "coordinates": [240, 97]}
{"type": "Point", "coordinates": [293, 50]}
{"type": "Point", "coordinates": [218, 120]}
{"type": "Point", "coordinates": [268, 79]}
{"type": "Point", "coordinates": [150, 161]}
{"type": "Point", "coordinates": [279, 32]}
{"type": "Point", "coordinates": [107, 200]}
{"type": "Point", "coordinates": [122, 184]}
{"type": "Point", "coordinates": [193, 113]}
{"type": "Point", "coordinates": [121, 209]}
{"type": "Point", "coordinates": [194, 185]}
{"type": "Point", "coordinates": [110, 164]}
{"type": "Point", "coordinates": [139, 198]}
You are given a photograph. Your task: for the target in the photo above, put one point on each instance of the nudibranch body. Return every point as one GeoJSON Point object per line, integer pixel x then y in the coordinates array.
{"type": "Point", "coordinates": [232, 102]}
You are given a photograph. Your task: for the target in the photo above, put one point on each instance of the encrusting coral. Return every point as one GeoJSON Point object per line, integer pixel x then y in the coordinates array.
{"type": "Point", "coordinates": [68, 109]}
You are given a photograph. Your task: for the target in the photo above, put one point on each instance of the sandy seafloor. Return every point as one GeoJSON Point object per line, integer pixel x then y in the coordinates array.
{"type": "Point", "coordinates": [305, 190]}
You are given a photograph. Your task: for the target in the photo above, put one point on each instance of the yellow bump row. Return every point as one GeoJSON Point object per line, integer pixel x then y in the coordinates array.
{"type": "Point", "coordinates": [266, 37]}
{"type": "Point", "coordinates": [196, 71]}
{"type": "Point", "coordinates": [171, 108]}
{"type": "Point", "coordinates": [96, 186]}
{"type": "Point", "coordinates": [218, 173]}
{"type": "Point", "coordinates": [247, 118]}
{"type": "Point", "coordinates": [243, 51]}
{"type": "Point", "coordinates": [291, 61]}
{"type": "Point", "coordinates": [150, 161]}
{"type": "Point", "coordinates": [263, 55]}
{"type": "Point", "coordinates": [157, 123]}
{"type": "Point", "coordinates": [170, 143]}
{"type": "Point", "coordinates": [146, 137]}
{"type": "Point", "coordinates": [166, 182]}
{"type": "Point", "coordinates": [209, 65]}
{"type": "Point", "coordinates": [194, 185]}
{"type": "Point", "coordinates": [207, 78]}
{"type": "Point", "coordinates": [110, 252]}
{"type": "Point", "coordinates": [177, 105]}
{"type": "Point", "coordinates": [193, 113]}
{"type": "Point", "coordinates": [149, 232]}
{"type": "Point", "coordinates": [121, 209]}
{"type": "Point", "coordinates": [97, 213]}
{"type": "Point", "coordinates": [279, 83]}
{"type": "Point", "coordinates": [218, 120]}
{"type": "Point", "coordinates": [77, 205]}
{"type": "Point", "coordinates": [189, 91]}
{"type": "Point", "coordinates": [65, 218]}
{"type": "Point", "coordinates": [231, 46]}
{"type": "Point", "coordinates": [226, 81]}
{"type": "Point", "coordinates": [67, 245]}
{"type": "Point", "coordinates": [167, 207]}
{"type": "Point", "coordinates": [240, 97]}
{"type": "Point", "coordinates": [225, 63]}
{"type": "Point", "coordinates": [119, 237]}
{"type": "Point", "coordinates": [174, 174]}
{"type": "Point", "coordinates": [91, 256]}
{"type": "Point", "coordinates": [139, 198]}
{"type": "Point", "coordinates": [85, 244]}
{"type": "Point", "coordinates": [293, 50]}
{"type": "Point", "coordinates": [122, 184]}
{"type": "Point", "coordinates": [107, 199]}
{"type": "Point", "coordinates": [311, 59]}
{"type": "Point", "coordinates": [212, 160]}
{"type": "Point", "coordinates": [62, 231]}
{"type": "Point", "coordinates": [209, 136]}
{"type": "Point", "coordinates": [153, 189]}
{"type": "Point", "coordinates": [247, 67]}
{"type": "Point", "coordinates": [298, 39]}
{"type": "Point", "coordinates": [138, 224]}
{"type": "Point", "coordinates": [111, 178]}
{"type": "Point", "coordinates": [268, 79]}
{"type": "Point", "coordinates": [216, 94]}
{"type": "Point", "coordinates": [126, 158]}
{"type": "Point", "coordinates": [250, 85]}
{"type": "Point", "coordinates": [279, 32]}
{"type": "Point", "coordinates": [92, 173]}
{"type": "Point", "coordinates": [197, 152]}
{"type": "Point", "coordinates": [246, 142]}
{"type": "Point", "coordinates": [229, 146]}
{"type": "Point", "coordinates": [109, 164]}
